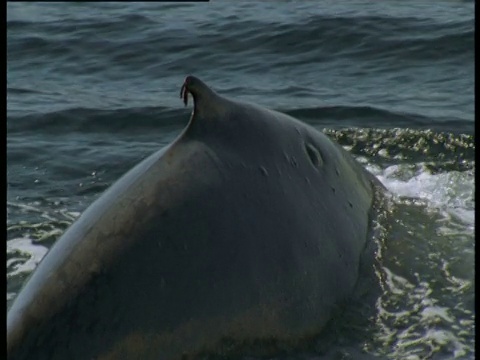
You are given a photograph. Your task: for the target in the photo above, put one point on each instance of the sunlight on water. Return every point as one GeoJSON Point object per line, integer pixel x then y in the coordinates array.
{"type": "Point", "coordinates": [426, 310]}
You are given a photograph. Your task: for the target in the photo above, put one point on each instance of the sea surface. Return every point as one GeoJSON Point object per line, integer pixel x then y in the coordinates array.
{"type": "Point", "coordinates": [93, 88]}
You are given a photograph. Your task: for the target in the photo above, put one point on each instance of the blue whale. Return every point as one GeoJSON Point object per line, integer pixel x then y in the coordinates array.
{"type": "Point", "coordinates": [250, 226]}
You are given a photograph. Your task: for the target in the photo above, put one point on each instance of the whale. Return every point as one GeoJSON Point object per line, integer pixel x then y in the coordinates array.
{"type": "Point", "coordinates": [250, 227]}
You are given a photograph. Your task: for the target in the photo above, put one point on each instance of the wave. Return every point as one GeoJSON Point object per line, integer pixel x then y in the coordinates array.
{"type": "Point", "coordinates": [369, 116]}
{"type": "Point", "coordinates": [360, 36]}
{"type": "Point", "coordinates": [372, 37]}
{"type": "Point", "coordinates": [96, 120]}
{"type": "Point", "coordinates": [144, 118]}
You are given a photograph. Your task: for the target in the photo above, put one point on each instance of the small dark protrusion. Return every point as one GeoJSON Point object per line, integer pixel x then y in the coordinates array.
{"type": "Point", "coordinates": [351, 205]}
{"type": "Point", "coordinates": [205, 100]}
{"type": "Point", "coordinates": [194, 86]}
{"type": "Point", "coordinates": [186, 88]}
{"type": "Point", "coordinates": [184, 94]}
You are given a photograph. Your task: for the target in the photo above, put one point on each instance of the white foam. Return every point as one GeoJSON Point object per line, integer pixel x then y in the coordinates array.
{"type": "Point", "coordinates": [16, 251]}
{"type": "Point", "coordinates": [432, 313]}
{"type": "Point", "coordinates": [451, 191]}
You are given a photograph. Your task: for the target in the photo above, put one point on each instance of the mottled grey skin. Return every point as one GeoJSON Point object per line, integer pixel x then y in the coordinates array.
{"type": "Point", "coordinates": [250, 225]}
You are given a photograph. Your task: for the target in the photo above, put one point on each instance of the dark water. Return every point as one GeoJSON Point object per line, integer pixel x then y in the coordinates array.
{"type": "Point", "coordinates": [92, 88]}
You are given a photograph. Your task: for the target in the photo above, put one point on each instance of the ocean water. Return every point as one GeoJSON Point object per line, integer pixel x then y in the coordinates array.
{"type": "Point", "coordinates": [93, 88]}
